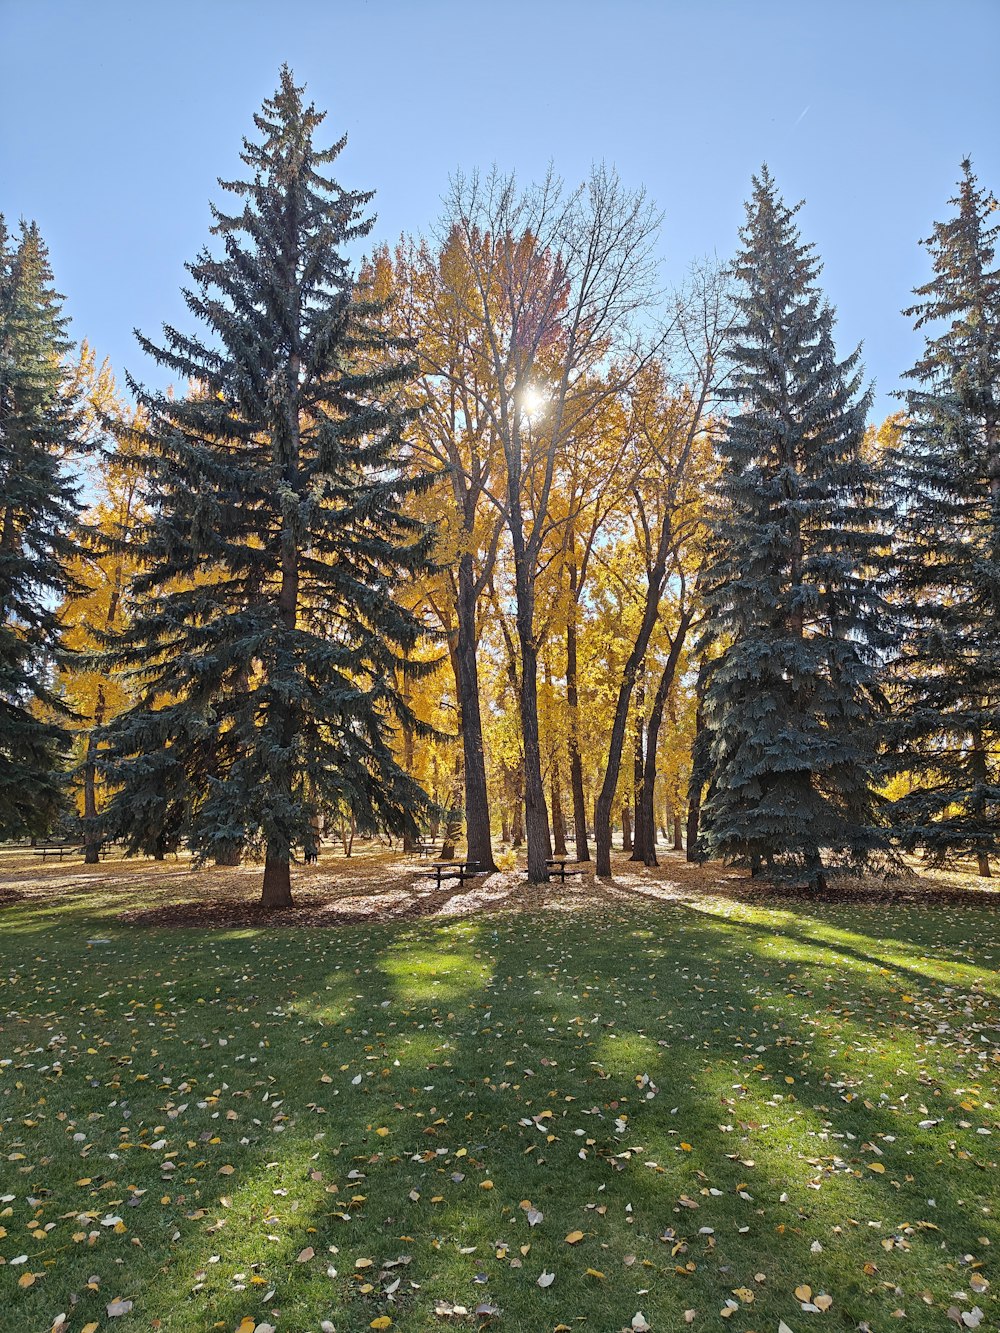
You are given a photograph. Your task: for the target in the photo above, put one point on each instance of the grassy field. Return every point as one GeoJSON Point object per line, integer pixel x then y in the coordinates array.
{"type": "Point", "coordinates": [676, 1110]}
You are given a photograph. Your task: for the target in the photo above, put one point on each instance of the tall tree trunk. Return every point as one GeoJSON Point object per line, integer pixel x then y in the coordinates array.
{"type": "Point", "coordinates": [91, 836]}
{"type": "Point", "coordinates": [639, 838]}
{"type": "Point", "coordinates": [696, 785]}
{"type": "Point", "coordinates": [678, 840]}
{"type": "Point", "coordinates": [573, 703]}
{"type": "Point", "coordinates": [626, 826]}
{"type": "Point", "coordinates": [536, 817]}
{"type": "Point", "coordinates": [277, 887]}
{"type": "Point", "coordinates": [980, 774]}
{"type": "Point", "coordinates": [276, 890]}
{"type": "Point", "coordinates": [453, 822]}
{"type": "Point", "coordinates": [558, 823]}
{"type": "Point", "coordinates": [629, 676]}
{"type": "Point", "coordinates": [409, 841]}
{"type": "Point", "coordinates": [517, 817]}
{"type": "Point", "coordinates": [663, 688]}
{"type": "Point", "coordinates": [477, 808]}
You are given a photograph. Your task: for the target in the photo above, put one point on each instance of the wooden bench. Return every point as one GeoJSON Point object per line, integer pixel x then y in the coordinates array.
{"type": "Point", "coordinates": [557, 866]}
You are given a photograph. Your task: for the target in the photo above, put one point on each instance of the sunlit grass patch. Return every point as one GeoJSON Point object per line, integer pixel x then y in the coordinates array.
{"type": "Point", "coordinates": [726, 1102]}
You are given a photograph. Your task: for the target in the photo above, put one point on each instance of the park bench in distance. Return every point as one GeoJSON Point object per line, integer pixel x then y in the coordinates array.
{"type": "Point", "coordinates": [59, 849]}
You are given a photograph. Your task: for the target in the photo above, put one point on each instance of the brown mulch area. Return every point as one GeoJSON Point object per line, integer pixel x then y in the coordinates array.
{"type": "Point", "coordinates": [376, 885]}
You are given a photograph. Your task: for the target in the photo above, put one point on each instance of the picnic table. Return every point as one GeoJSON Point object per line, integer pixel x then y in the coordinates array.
{"type": "Point", "coordinates": [59, 849]}
{"type": "Point", "coordinates": [460, 870]}
{"type": "Point", "coordinates": [426, 847]}
{"type": "Point", "coordinates": [557, 866]}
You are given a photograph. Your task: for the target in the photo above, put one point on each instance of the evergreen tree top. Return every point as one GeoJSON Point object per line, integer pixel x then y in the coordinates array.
{"type": "Point", "coordinates": [782, 346]}
{"type": "Point", "coordinates": [964, 292]}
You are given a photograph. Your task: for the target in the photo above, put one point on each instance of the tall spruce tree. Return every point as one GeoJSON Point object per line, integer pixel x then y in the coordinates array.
{"type": "Point", "coordinates": [39, 432]}
{"type": "Point", "coordinates": [948, 466]}
{"type": "Point", "coordinates": [265, 636]}
{"type": "Point", "coordinates": [789, 703]}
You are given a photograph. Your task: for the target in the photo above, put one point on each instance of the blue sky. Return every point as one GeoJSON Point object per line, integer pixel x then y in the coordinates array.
{"type": "Point", "coordinates": [116, 119]}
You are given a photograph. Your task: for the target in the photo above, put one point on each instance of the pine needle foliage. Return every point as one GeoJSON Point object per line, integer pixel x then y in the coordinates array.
{"type": "Point", "coordinates": [39, 434]}
{"type": "Point", "coordinates": [266, 633]}
{"type": "Point", "coordinates": [792, 696]}
{"type": "Point", "coordinates": [948, 468]}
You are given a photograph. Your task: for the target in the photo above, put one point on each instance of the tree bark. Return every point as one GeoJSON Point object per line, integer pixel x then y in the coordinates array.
{"type": "Point", "coordinates": [91, 838]}
{"type": "Point", "coordinates": [517, 817]}
{"type": "Point", "coordinates": [695, 789]}
{"type": "Point", "coordinates": [558, 823]}
{"type": "Point", "coordinates": [277, 887]}
{"type": "Point", "coordinates": [980, 774]}
{"type": "Point", "coordinates": [607, 794]}
{"type": "Point", "coordinates": [646, 818]}
{"type": "Point", "coordinates": [627, 826]}
{"type": "Point", "coordinates": [639, 837]}
{"type": "Point", "coordinates": [477, 808]}
{"type": "Point", "coordinates": [573, 702]}
{"type": "Point", "coordinates": [536, 817]}
{"type": "Point", "coordinates": [276, 890]}
{"type": "Point", "coordinates": [409, 841]}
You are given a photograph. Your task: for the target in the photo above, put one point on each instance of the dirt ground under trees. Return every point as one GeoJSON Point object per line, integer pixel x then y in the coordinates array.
{"type": "Point", "coordinates": [377, 885]}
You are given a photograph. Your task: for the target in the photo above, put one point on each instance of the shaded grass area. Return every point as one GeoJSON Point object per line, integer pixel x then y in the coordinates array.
{"type": "Point", "coordinates": [729, 1102]}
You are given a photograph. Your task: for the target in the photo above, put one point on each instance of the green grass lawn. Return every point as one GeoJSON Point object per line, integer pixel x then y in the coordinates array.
{"type": "Point", "coordinates": [704, 1107]}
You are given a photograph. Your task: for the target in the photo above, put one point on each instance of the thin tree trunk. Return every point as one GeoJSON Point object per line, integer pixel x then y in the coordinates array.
{"type": "Point", "coordinates": [606, 796]}
{"type": "Point", "coordinates": [639, 838]}
{"type": "Point", "coordinates": [627, 826]}
{"type": "Point", "coordinates": [696, 785]}
{"type": "Point", "coordinates": [517, 821]}
{"type": "Point", "coordinates": [573, 702]}
{"type": "Point", "coordinates": [477, 808]}
{"type": "Point", "coordinates": [663, 689]}
{"type": "Point", "coordinates": [453, 822]}
{"type": "Point", "coordinates": [980, 775]}
{"type": "Point", "coordinates": [678, 841]}
{"type": "Point", "coordinates": [536, 817]}
{"type": "Point", "coordinates": [91, 837]}
{"type": "Point", "coordinates": [558, 823]}
{"type": "Point", "coordinates": [409, 841]}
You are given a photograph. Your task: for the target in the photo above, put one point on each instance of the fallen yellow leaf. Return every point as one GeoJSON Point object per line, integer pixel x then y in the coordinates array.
{"type": "Point", "coordinates": [574, 1238]}
{"type": "Point", "coordinates": [26, 1280]}
{"type": "Point", "coordinates": [877, 1167]}
{"type": "Point", "coordinates": [383, 1321]}
{"type": "Point", "coordinates": [803, 1293]}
